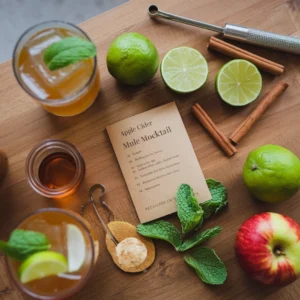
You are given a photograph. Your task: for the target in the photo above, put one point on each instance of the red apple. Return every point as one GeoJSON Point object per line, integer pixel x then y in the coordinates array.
{"type": "Point", "coordinates": [268, 248]}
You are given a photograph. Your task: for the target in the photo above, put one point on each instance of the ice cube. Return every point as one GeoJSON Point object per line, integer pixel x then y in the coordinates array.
{"type": "Point", "coordinates": [76, 81]}
{"type": "Point", "coordinates": [56, 234]}
{"type": "Point", "coordinates": [36, 48]}
{"type": "Point", "coordinates": [39, 43]}
{"type": "Point", "coordinates": [33, 85]}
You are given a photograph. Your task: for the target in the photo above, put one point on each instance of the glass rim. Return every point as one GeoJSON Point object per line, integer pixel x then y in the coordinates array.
{"type": "Point", "coordinates": [51, 102]}
{"type": "Point", "coordinates": [82, 282]}
{"type": "Point", "coordinates": [59, 192]}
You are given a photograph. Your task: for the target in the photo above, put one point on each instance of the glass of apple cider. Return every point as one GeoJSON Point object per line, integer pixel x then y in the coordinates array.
{"type": "Point", "coordinates": [64, 92]}
{"type": "Point", "coordinates": [69, 236]}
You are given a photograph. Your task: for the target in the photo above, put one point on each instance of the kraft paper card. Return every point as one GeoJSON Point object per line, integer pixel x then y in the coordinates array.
{"type": "Point", "coordinates": [156, 156]}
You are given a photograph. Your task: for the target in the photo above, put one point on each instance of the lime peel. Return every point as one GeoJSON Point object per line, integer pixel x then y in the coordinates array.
{"type": "Point", "coordinates": [272, 173]}
{"type": "Point", "coordinates": [132, 59]}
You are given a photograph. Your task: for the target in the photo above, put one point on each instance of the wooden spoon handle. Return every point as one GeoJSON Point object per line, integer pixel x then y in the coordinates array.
{"type": "Point", "coordinates": [3, 165]}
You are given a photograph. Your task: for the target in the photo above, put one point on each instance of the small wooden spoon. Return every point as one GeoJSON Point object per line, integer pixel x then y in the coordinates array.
{"type": "Point", "coordinates": [122, 230]}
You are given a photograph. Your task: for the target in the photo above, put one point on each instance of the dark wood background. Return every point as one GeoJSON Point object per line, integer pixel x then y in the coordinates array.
{"type": "Point", "coordinates": [23, 124]}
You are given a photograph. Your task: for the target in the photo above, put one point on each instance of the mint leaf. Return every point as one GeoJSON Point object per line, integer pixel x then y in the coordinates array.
{"type": "Point", "coordinates": [200, 238]}
{"type": "Point", "coordinates": [219, 198]}
{"type": "Point", "coordinates": [68, 51]}
{"type": "Point", "coordinates": [188, 209]}
{"type": "Point", "coordinates": [23, 243]}
{"type": "Point", "coordinates": [161, 230]}
{"type": "Point", "coordinates": [207, 265]}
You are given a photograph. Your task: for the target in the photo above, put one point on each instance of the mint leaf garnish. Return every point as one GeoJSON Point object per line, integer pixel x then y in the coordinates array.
{"type": "Point", "coordinates": [200, 238]}
{"type": "Point", "coordinates": [68, 51]}
{"type": "Point", "coordinates": [219, 198]}
{"type": "Point", "coordinates": [188, 209]}
{"type": "Point", "coordinates": [162, 230]}
{"type": "Point", "coordinates": [207, 265]}
{"type": "Point", "coordinates": [23, 243]}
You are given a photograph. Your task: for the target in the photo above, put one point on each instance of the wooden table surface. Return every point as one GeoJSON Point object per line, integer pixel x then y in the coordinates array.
{"type": "Point", "coordinates": [23, 124]}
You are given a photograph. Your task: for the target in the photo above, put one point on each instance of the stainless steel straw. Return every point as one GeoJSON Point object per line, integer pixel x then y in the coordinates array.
{"type": "Point", "coordinates": [92, 201]}
{"type": "Point", "coordinates": [237, 32]}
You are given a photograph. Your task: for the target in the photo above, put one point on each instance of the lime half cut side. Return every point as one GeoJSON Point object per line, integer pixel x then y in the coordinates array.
{"type": "Point", "coordinates": [42, 264]}
{"type": "Point", "coordinates": [238, 82]}
{"type": "Point", "coordinates": [184, 69]}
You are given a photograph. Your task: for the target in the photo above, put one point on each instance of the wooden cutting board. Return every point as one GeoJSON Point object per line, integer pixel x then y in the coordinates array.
{"type": "Point", "coordinates": [23, 124]}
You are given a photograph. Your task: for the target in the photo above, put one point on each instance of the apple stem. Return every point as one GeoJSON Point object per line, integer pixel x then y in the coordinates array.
{"type": "Point", "coordinates": [278, 252]}
{"type": "Point", "coordinates": [254, 167]}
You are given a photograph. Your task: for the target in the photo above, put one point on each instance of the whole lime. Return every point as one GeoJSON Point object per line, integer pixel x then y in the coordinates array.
{"type": "Point", "coordinates": [132, 59]}
{"type": "Point", "coordinates": [272, 173]}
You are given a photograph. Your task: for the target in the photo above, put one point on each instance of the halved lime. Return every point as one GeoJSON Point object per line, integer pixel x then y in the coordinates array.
{"type": "Point", "coordinates": [184, 69]}
{"type": "Point", "coordinates": [42, 264]}
{"type": "Point", "coordinates": [238, 82]}
{"type": "Point", "coordinates": [76, 248]}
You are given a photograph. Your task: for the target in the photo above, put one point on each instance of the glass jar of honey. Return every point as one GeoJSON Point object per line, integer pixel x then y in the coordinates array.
{"type": "Point", "coordinates": [55, 168]}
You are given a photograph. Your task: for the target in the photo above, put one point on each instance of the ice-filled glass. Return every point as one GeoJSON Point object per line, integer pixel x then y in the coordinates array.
{"type": "Point", "coordinates": [64, 92]}
{"type": "Point", "coordinates": [70, 236]}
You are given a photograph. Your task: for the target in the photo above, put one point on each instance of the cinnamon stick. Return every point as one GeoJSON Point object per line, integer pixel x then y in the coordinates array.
{"type": "Point", "coordinates": [236, 52]}
{"type": "Point", "coordinates": [213, 130]}
{"type": "Point", "coordinates": [265, 103]}
{"type": "Point", "coordinates": [246, 52]}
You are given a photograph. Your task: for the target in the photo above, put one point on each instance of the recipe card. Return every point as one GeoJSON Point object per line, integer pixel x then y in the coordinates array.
{"type": "Point", "coordinates": [156, 156]}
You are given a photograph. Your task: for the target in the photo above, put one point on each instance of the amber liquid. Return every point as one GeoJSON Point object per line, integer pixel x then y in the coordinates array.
{"type": "Point", "coordinates": [60, 84]}
{"type": "Point", "coordinates": [57, 170]}
{"type": "Point", "coordinates": [53, 225]}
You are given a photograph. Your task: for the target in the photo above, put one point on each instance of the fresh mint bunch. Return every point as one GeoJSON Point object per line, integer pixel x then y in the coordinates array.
{"type": "Point", "coordinates": [205, 261]}
{"type": "Point", "coordinates": [23, 243]}
{"type": "Point", "coordinates": [68, 51]}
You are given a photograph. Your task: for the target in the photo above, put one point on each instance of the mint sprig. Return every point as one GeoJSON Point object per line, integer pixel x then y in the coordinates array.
{"type": "Point", "coordinates": [207, 265]}
{"type": "Point", "coordinates": [161, 230]}
{"type": "Point", "coordinates": [200, 238]}
{"type": "Point", "coordinates": [68, 51]}
{"type": "Point", "coordinates": [218, 201]}
{"type": "Point", "coordinates": [188, 209]}
{"type": "Point", "coordinates": [23, 243]}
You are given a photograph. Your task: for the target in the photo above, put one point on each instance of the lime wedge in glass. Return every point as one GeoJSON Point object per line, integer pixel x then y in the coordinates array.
{"type": "Point", "coordinates": [238, 82]}
{"type": "Point", "coordinates": [184, 69]}
{"type": "Point", "coordinates": [76, 248]}
{"type": "Point", "coordinates": [42, 264]}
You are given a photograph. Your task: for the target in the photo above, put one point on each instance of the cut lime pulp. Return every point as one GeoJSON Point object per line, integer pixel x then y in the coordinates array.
{"type": "Point", "coordinates": [184, 69]}
{"type": "Point", "coordinates": [238, 82]}
{"type": "Point", "coordinates": [42, 264]}
{"type": "Point", "coordinates": [76, 248]}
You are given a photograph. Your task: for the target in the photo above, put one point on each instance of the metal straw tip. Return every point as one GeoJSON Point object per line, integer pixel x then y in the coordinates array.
{"type": "Point", "coordinates": [153, 10]}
